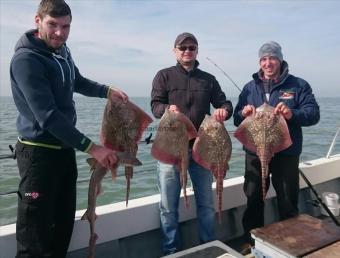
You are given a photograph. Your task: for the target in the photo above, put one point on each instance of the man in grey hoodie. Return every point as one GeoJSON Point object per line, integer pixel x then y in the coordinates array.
{"type": "Point", "coordinates": [43, 79]}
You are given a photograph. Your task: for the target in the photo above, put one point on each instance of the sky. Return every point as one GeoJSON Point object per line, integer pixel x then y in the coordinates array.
{"type": "Point", "coordinates": [125, 43]}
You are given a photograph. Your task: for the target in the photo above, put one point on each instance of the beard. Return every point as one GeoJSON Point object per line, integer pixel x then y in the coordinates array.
{"type": "Point", "coordinates": [49, 41]}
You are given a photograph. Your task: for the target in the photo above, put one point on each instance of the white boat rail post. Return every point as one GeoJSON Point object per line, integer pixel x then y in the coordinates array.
{"type": "Point", "coordinates": [331, 147]}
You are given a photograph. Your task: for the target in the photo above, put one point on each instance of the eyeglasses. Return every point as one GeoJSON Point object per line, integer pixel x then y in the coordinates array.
{"type": "Point", "coordinates": [184, 48]}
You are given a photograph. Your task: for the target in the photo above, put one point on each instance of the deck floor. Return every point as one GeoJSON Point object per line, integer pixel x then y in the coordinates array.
{"type": "Point", "coordinates": [212, 249]}
{"type": "Point", "coordinates": [237, 243]}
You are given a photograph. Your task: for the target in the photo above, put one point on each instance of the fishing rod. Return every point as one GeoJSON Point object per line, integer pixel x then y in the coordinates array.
{"type": "Point", "coordinates": [148, 139]}
{"type": "Point", "coordinates": [9, 156]}
{"type": "Point", "coordinates": [219, 68]}
{"type": "Point", "coordinates": [7, 193]}
{"type": "Point", "coordinates": [86, 180]}
{"type": "Point", "coordinates": [319, 198]}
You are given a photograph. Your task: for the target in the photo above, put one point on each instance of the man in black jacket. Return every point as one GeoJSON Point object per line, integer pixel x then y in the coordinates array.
{"type": "Point", "coordinates": [43, 79]}
{"type": "Point", "coordinates": [185, 88]}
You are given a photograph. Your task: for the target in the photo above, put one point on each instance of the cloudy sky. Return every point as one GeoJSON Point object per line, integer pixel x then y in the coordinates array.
{"type": "Point", "coordinates": [124, 43]}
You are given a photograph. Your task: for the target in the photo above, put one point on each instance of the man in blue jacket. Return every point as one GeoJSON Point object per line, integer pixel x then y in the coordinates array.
{"type": "Point", "coordinates": [293, 98]}
{"type": "Point", "coordinates": [43, 78]}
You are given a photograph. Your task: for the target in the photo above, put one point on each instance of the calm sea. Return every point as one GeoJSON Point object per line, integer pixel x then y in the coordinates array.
{"type": "Point", "coordinates": [316, 143]}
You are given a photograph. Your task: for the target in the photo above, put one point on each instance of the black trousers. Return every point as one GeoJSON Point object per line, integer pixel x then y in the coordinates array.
{"type": "Point", "coordinates": [285, 178]}
{"type": "Point", "coordinates": [46, 201]}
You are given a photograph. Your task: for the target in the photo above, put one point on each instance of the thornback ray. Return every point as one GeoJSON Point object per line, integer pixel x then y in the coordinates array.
{"type": "Point", "coordinates": [171, 144]}
{"type": "Point", "coordinates": [122, 128]}
{"type": "Point", "coordinates": [212, 150]}
{"type": "Point", "coordinates": [264, 133]}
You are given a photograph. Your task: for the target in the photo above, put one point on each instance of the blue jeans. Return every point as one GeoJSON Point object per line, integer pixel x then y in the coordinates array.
{"type": "Point", "coordinates": [170, 189]}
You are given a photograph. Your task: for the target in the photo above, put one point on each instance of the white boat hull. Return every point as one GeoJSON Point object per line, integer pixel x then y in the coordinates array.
{"type": "Point", "coordinates": [134, 230]}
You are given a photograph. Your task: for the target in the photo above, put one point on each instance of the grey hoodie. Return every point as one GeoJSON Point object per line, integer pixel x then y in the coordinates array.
{"type": "Point", "coordinates": [43, 82]}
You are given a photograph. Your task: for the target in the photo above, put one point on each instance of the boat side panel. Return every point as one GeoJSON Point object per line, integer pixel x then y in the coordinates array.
{"type": "Point", "coordinates": [118, 224]}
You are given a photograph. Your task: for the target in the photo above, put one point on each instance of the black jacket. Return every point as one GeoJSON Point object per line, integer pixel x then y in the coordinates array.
{"type": "Point", "coordinates": [192, 92]}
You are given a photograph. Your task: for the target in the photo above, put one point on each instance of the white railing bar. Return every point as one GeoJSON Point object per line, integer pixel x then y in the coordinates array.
{"type": "Point", "coordinates": [332, 144]}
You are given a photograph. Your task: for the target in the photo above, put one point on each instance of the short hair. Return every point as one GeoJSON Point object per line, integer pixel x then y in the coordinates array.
{"type": "Point", "coordinates": [53, 8]}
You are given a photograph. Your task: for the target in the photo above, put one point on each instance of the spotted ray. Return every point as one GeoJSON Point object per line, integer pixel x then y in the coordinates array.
{"type": "Point", "coordinates": [122, 128]}
{"type": "Point", "coordinates": [212, 150]}
{"type": "Point", "coordinates": [264, 133]}
{"type": "Point", "coordinates": [172, 142]}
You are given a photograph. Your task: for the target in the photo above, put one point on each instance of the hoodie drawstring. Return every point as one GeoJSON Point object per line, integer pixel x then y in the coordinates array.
{"type": "Point", "coordinates": [71, 70]}
{"type": "Point", "coordinates": [72, 63]}
{"type": "Point", "coordinates": [61, 68]}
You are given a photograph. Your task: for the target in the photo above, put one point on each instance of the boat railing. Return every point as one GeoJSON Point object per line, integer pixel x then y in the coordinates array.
{"type": "Point", "coordinates": [147, 140]}
{"type": "Point", "coordinates": [331, 147]}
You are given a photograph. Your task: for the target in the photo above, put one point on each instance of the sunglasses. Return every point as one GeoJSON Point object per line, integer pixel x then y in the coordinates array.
{"type": "Point", "coordinates": [184, 48]}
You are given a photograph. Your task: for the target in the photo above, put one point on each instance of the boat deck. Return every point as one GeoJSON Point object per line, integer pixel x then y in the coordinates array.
{"type": "Point", "coordinates": [212, 249]}
{"type": "Point", "coordinates": [303, 236]}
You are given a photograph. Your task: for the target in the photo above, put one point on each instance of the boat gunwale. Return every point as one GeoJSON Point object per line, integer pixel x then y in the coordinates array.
{"type": "Point", "coordinates": [142, 214]}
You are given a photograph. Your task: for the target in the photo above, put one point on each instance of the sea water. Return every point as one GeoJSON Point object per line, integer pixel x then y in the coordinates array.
{"type": "Point", "coordinates": [89, 110]}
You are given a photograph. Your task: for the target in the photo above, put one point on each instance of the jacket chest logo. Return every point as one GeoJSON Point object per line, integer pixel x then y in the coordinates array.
{"type": "Point", "coordinates": [288, 94]}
